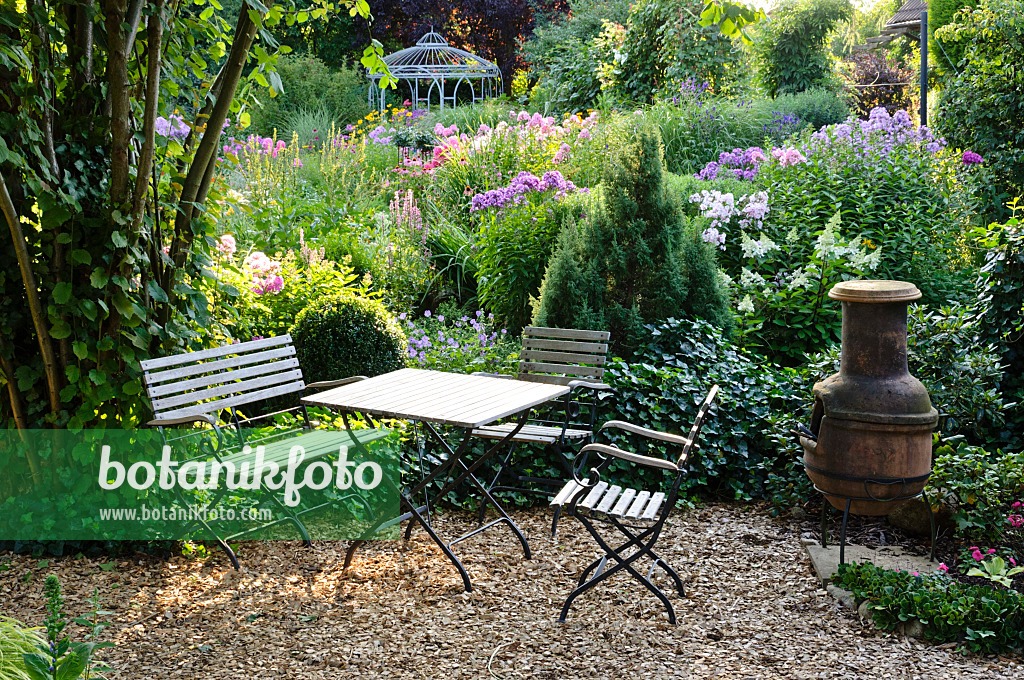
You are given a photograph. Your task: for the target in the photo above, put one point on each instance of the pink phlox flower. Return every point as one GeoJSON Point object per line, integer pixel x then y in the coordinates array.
{"type": "Point", "coordinates": [561, 154]}
{"type": "Point", "coordinates": [226, 245]}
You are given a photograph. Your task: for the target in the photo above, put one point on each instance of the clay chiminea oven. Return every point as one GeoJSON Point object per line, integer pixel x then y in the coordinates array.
{"type": "Point", "coordinates": [873, 420]}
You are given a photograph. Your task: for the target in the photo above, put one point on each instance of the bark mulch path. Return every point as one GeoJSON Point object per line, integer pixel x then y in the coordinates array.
{"type": "Point", "coordinates": [753, 610]}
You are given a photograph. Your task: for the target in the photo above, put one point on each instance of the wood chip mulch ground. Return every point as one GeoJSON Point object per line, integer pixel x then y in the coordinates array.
{"type": "Point", "coordinates": [754, 610]}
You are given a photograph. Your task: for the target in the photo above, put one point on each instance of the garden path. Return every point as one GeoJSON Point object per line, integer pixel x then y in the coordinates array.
{"type": "Point", "coordinates": [754, 610]}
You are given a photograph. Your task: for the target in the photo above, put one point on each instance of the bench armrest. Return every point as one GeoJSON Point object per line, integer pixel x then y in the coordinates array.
{"type": "Point", "coordinates": [646, 461]}
{"type": "Point", "coordinates": [588, 385]}
{"type": "Point", "coordinates": [327, 384]}
{"type": "Point", "coordinates": [648, 433]}
{"type": "Point", "coordinates": [197, 418]}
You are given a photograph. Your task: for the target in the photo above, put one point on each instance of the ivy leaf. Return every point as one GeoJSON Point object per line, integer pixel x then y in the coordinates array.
{"type": "Point", "coordinates": [62, 293]}
{"type": "Point", "coordinates": [99, 278]}
{"type": "Point", "coordinates": [60, 329]}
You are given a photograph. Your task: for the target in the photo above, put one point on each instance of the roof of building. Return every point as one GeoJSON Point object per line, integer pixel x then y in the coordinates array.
{"type": "Point", "coordinates": [908, 15]}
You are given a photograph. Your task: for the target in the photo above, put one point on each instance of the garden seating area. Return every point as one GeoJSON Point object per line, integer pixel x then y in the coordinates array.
{"type": "Point", "coordinates": [512, 340]}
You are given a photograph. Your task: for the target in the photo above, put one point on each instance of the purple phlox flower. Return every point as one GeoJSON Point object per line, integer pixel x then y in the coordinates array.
{"type": "Point", "coordinates": [971, 158]}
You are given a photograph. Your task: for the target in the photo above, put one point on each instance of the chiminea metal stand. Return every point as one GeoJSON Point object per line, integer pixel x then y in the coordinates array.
{"type": "Point", "coordinates": [889, 481]}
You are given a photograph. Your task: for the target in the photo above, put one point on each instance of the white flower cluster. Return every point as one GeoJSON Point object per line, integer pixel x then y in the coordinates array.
{"type": "Point", "coordinates": [758, 248]}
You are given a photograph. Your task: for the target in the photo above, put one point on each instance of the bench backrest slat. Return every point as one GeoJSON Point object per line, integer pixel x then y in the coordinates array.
{"type": "Point", "coordinates": [214, 352]}
{"type": "Point", "coordinates": [561, 355]}
{"type": "Point", "coordinates": [215, 379]}
{"type": "Point", "coordinates": [218, 365]}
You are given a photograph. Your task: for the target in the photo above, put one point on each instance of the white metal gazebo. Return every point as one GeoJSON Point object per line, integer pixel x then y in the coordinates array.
{"type": "Point", "coordinates": [431, 67]}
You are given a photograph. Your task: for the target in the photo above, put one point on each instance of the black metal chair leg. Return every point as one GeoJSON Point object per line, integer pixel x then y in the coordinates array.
{"type": "Point", "coordinates": [675, 577]}
{"type": "Point", "coordinates": [554, 521]}
{"type": "Point", "coordinates": [230, 553]}
{"type": "Point", "coordinates": [350, 553]}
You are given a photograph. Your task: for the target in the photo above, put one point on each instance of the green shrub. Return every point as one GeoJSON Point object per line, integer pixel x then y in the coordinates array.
{"type": "Point", "coordinates": [978, 485]}
{"type": "Point", "coordinates": [345, 335]}
{"type": "Point", "coordinates": [696, 128]}
{"type": "Point", "coordinates": [513, 245]}
{"type": "Point", "coordinates": [310, 85]}
{"type": "Point", "coordinates": [664, 384]}
{"type": "Point", "coordinates": [1002, 296]}
{"type": "Point", "coordinates": [940, 13]}
{"type": "Point", "coordinates": [981, 108]}
{"type": "Point", "coordinates": [631, 260]}
{"type": "Point", "coordinates": [260, 296]}
{"type": "Point", "coordinates": [664, 46]}
{"type": "Point", "coordinates": [791, 51]}
{"type": "Point", "coordinates": [814, 107]}
{"type": "Point", "coordinates": [982, 619]}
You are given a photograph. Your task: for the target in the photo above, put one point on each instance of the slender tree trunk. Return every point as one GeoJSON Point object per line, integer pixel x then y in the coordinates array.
{"type": "Point", "coordinates": [154, 41]}
{"type": "Point", "coordinates": [198, 174]}
{"type": "Point", "coordinates": [41, 68]}
{"type": "Point", "coordinates": [117, 76]}
{"type": "Point", "coordinates": [54, 375]}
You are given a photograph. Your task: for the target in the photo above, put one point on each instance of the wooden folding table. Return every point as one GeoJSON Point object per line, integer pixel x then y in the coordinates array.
{"type": "Point", "coordinates": [450, 399]}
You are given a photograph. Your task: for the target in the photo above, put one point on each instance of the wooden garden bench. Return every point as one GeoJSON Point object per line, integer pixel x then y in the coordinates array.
{"type": "Point", "coordinates": [213, 386]}
{"type": "Point", "coordinates": [559, 356]}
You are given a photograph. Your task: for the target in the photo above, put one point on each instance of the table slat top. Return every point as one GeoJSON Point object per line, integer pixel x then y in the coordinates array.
{"type": "Point", "coordinates": [435, 397]}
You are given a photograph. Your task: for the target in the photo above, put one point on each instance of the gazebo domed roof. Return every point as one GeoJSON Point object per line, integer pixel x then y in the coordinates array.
{"type": "Point", "coordinates": [440, 68]}
{"type": "Point", "coordinates": [432, 56]}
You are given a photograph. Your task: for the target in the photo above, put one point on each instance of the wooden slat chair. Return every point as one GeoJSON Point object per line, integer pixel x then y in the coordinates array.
{"type": "Point", "coordinates": [639, 514]}
{"type": "Point", "coordinates": [211, 386]}
{"type": "Point", "coordinates": [559, 356]}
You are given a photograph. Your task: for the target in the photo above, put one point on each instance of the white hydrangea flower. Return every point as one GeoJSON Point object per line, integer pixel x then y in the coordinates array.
{"type": "Point", "coordinates": [799, 280]}
{"type": "Point", "coordinates": [749, 279]}
{"type": "Point", "coordinates": [746, 305]}
{"type": "Point", "coordinates": [792, 236]}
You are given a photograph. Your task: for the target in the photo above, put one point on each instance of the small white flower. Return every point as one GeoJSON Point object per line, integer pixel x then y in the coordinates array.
{"type": "Point", "coordinates": [746, 305]}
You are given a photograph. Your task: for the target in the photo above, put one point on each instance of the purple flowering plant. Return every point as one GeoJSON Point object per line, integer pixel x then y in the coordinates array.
{"type": "Point", "coordinates": [449, 339]}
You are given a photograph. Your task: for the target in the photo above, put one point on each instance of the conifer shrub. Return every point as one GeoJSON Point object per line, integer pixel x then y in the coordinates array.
{"type": "Point", "coordinates": [632, 259]}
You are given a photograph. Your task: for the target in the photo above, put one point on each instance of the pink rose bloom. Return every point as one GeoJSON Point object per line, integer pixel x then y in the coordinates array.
{"type": "Point", "coordinates": [991, 551]}
{"type": "Point", "coordinates": [943, 568]}
{"type": "Point", "coordinates": [226, 245]}
{"type": "Point", "coordinates": [977, 555]}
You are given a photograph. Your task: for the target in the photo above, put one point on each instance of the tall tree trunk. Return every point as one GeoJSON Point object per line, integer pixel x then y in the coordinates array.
{"type": "Point", "coordinates": [198, 177]}
{"type": "Point", "coordinates": [54, 375]}
{"type": "Point", "coordinates": [120, 106]}
{"type": "Point", "coordinates": [154, 42]}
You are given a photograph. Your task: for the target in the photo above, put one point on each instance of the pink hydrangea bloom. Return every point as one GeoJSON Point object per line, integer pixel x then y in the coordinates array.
{"type": "Point", "coordinates": [226, 245]}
